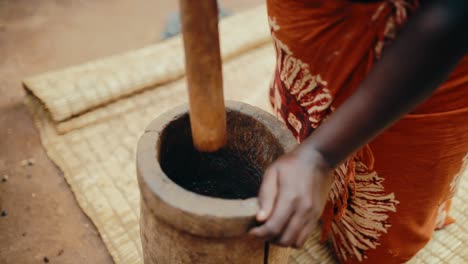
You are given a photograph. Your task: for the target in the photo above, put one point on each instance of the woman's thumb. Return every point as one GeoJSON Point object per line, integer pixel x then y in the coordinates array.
{"type": "Point", "coordinates": [267, 194]}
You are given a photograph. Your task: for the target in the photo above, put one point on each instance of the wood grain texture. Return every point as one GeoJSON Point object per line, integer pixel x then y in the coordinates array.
{"type": "Point", "coordinates": [203, 70]}
{"type": "Point", "coordinates": [164, 244]}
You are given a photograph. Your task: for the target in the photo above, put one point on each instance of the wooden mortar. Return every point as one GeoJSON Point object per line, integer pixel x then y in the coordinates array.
{"type": "Point", "coordinates": [183, 218]}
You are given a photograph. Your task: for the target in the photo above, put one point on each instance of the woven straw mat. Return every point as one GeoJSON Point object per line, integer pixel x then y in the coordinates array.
{"type": "Point", "coordinates": [90, 118]}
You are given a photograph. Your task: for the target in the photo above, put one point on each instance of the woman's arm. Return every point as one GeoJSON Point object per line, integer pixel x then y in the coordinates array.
{"type": "Point", "coordinates": [422, 56]}
{"type": "Point", "coordinates": [295, 187]}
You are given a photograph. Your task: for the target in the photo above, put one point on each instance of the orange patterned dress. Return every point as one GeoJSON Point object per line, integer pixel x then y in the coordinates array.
{"type": "Point", "coordinates": [389, 197]}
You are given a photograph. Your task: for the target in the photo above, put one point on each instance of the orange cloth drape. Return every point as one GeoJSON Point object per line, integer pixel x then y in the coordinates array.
{"type": "Point", "coordinates": [389, 197]}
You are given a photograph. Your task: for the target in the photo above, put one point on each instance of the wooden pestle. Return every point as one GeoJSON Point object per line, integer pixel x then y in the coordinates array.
{"type": "Point", "coordinates": [199, 20]}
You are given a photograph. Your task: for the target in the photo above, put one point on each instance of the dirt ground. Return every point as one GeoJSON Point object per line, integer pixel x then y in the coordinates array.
{"type": "Point", "coordinates": [40, 220]}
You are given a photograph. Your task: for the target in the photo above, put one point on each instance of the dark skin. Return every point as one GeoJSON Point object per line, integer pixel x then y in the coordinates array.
{"type": "Point", "coordinates": [295, 187]}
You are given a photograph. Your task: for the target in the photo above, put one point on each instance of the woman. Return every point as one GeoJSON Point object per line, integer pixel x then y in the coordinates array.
{"type": "Point", "coordinates": [377, 94]}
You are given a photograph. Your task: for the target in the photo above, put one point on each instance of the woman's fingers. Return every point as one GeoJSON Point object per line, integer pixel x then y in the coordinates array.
{"type": "Point", "coordinates": [292, 230]}
{"type": "Point", "coordinates": [304, 234]}
{"type": "Point", "coordinates": [290, 201]}
{"type": "Point", "coordinates": [267, 194]}
{"type": "Point", "coordinates": [275, 224]}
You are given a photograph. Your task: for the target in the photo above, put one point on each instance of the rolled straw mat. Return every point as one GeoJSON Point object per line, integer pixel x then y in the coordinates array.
{"type": "Point", "coordinates": [90, 118]}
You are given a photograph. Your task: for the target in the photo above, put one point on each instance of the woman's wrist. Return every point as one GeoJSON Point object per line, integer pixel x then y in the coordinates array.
{"type": "Point", "coordinates": [310, 154]}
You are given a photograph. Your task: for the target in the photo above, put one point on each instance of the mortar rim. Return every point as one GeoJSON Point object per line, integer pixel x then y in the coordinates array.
{"type": "Point", "coordinates": [213, 216]}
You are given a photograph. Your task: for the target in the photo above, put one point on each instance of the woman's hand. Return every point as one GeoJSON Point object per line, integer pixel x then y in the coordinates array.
{"type": "Point", "coordinates": [296, 186]}
{"type": "Point", "coordinates": [292, 197]}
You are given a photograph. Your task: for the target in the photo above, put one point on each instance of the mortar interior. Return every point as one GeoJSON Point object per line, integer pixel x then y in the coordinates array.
{"type": "Point", "coordinates": [234, 172]}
